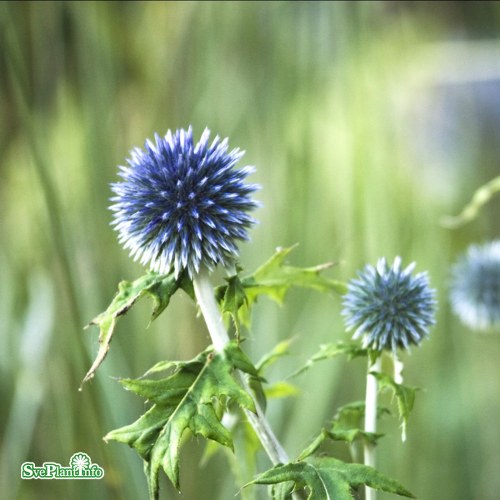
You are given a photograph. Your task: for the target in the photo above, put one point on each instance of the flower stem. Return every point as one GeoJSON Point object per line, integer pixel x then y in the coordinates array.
{"type": "Point", "coordinates": [371, 418]}
{"type": "Point", "coordinates": [213, 318]}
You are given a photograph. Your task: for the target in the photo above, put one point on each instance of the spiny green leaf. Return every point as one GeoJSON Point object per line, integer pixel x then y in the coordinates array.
{"type": "Point", "coordinates": [481, 196]}
{"type": "Point", "coordinates": [349, 416]}
{"type": "Point", "coordinates": [157, 286]}
{"type": "Point", "coordinates": [189, 398]}
{"type": "Point", "coordinates": [274, 278]}
{"type": "Point", "coordinates": [234, 298]}
{"type": "Point", "coordinates": [243, 363]}
{"type": "Point", "coordinates": [328, 351]}
{"type": "Point", "coordinates": [348, 421]}
{"type": "Point", "coordinates": [346, 426]}
{"type": "Point", "coordinates": [314, 445]}
{"type": "Point", "coordinates": [240, 360]}
{"type": "Point", "coordinates": [328, 478]}
{"type": "Point", "coordinates": [153, 485]}
{"type": "Point", "coordinates": [163, 366]}
{"type": "Point", "coordinates": [405, 396]}
{"type": "Point", "coordinates": [143, 433]}
{"type": "Point", "coordinates": [169, 390]}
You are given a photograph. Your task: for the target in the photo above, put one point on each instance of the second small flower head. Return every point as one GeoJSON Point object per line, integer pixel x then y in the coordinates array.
{"type": "Point", "coordinates": [183, 206]}
{"type": "Point", "coordinates": [475, 287]}
{"type": "Point", "coordinates": [389, 307]}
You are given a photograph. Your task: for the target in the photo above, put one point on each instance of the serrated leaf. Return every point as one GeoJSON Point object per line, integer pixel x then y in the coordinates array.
{"type": "Point", "coordinates": [234, 298]}
{"type": "Point", "coordinates": [188, 399]}
{"type": "Point", "coordinates": [349, 416]}
{"type": "Point", "coordinates": [329, 351]}
{"type": "Point", "coordinates": [348, 421]}
{"type": "Point", "coordinates": [314, 445]}
{"type": "Point", "coordinates": [163, 366]}
{"type": "Point", "coordinates": [346, 426]}
{"type": "Point", "coordinates": [345, 435]}
{"type": "Point", "coordinates": [240, 360]}
{"type": "Point", "coordinates": [169, 390]}
{"type": "Point", "coordinates": [481, 196]}
{"type": "Point", "coordinates": [243, 363]}
{"type": "Point", "coordinates": [405, 397]}
{"type": "Point", "coordinates": [143, 433]}
{"type": "Point", "coordinates": [329, 478]}
{"type": "Point", "coordinates": [274, 279]}
{"type": "Point", "coordinates": [157, 286]}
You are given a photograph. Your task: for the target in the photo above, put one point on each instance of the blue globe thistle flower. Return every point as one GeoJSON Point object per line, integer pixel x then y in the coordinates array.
{"type": "Point", "coordinates": [182, 205]}
{"type": "Point", "coordinates": [389, 307]}
{"type": "Point", "coordinates": [475, 286]}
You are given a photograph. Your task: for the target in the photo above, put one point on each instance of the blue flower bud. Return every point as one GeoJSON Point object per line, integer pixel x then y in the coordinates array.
{"type": "Point", "coordinates": [475, 286]}
{"type": "Point", "coordinates": [389, 307]}
{"type": "Point", "coordinates": [180, 205]}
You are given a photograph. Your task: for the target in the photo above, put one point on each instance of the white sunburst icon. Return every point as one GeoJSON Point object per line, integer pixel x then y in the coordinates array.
{"type": "Point", "coordinates": [79, 462]}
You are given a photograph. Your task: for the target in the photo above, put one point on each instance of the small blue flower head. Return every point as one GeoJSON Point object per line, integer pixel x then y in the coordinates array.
{"type": "Point", "coordinates": [475, 286]}
{"type": "Point", "coordinates": [389, 307]}
{"type": "Point", "coordinates": [182, 205]}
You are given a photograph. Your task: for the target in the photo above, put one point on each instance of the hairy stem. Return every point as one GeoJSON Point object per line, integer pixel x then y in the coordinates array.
{"type": "Point", "coordinates": [213, 318]}
{"type": "Point", "coordinates": [371, 418]}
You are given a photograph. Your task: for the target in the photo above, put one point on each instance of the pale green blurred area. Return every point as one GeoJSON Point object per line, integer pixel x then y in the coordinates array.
{"type": "Point", "coordinates": [367, 122]}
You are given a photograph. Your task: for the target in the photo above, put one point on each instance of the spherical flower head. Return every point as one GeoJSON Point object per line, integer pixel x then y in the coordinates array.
{"type": "Point", "coordinates": [475, 286]}
{"type": "Point", "coordinates": [389, 307]}
{"type": "Point", "coordinates": [180, 205]}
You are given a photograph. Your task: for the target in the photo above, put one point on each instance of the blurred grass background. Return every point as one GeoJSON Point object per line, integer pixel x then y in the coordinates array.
{"type": "Point", "coordinates": [367, 122]}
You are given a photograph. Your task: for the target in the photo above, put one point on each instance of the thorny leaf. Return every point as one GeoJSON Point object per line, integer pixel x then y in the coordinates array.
{"type": "Point", "coordinates": [346, 426]}
{"type": "Point", "coordinates": [329, 351]}
{"type": "Point", "coordinates": [188, 399]}
{"type": "Point", "coordinates": [159, 287]}
{"type": "Point", "coordinates": [405, 397]}
{"type": "Point", "coordinates": [328, 478]}
{"type": "Point", "coordinates": [274, 278]}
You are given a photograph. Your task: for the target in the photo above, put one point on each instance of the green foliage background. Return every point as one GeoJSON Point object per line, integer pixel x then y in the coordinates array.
{"type": "Point", "coordinates": [367, 123]}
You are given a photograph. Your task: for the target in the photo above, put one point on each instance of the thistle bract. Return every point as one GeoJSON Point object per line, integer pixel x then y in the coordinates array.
{"type": "Point", "coordinates": [475, 286]}
{"type": "Point", "coordinates": [389, 307]}
{"type": "Point", "coordinates": [182, 205]}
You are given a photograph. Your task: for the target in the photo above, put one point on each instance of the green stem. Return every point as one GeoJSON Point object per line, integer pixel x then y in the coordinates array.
{"type": "Point", "coordinates": [213, 318]}
{"type": "Point", "coordinates": [371, 418]}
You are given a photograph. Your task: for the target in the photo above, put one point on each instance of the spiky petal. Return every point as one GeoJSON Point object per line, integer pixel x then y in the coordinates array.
{"type": "Point", "coordinates": [180, 205]}
{"type": "Point", "coordinates": [475, 286]}
{"type": "Point", "coordinates": [389, 307]}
